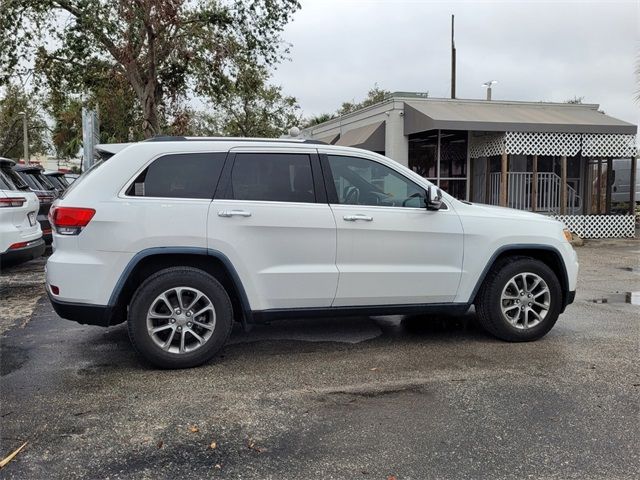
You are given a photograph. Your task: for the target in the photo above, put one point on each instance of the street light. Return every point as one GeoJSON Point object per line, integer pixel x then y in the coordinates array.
{"type": "Point", "coordinates": [25, 136]}
{"type": "Point", "coordinates": [488, 85]}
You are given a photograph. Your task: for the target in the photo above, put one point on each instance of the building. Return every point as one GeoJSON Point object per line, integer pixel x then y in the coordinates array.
{"type": "Point", "coordinates": [552, 158]}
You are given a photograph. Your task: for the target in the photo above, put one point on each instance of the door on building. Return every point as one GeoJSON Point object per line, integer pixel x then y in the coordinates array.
{"type": "Point", "coordinates": [389, 246]}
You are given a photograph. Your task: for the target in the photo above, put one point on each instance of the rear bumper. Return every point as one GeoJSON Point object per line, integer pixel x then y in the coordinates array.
{"type": "Point", "coordinates": [100, 315]}
{"type": "Point", "coordinates": [33, 249]}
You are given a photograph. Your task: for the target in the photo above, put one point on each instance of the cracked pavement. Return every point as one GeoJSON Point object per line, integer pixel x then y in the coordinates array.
{"type": "Point", "coordinates": [335, 398]}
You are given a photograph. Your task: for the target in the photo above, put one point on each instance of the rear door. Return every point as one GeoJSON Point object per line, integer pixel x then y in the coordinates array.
{"type": "Point", "coordinates": [391, 249]}
{"type": "Point", "coordinates": [271, 219]}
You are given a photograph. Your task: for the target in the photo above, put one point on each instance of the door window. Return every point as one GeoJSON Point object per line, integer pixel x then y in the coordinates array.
{"type": "Point", "coordinates": [360, 181]}
{"type": "Point", "coordinates": [185, 175]}
{"type": "Point", "coordinates": [272, 177]}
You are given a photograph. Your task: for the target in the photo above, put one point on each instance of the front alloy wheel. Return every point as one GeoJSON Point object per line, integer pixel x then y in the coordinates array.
{"type": "Point", "coordinates": [520, 299]}
{"type": "Point", "coordinates": [525, 300]}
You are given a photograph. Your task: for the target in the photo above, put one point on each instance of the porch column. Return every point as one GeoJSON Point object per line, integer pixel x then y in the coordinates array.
{"type": "Point", "coordinates": [632, 187]}
{"type": "Point", "coordinates": [503, 179]}
{"type": "Point", "coordinates": [563, 185]}
{"type": "Point", "coordinates": [607, 201]}
{"type": "Point", "coordinates": [487, 181]}
{"type": "Point", "coordinates": [534, 184]}
{"type": "Point", "coordinates": [599, 190]}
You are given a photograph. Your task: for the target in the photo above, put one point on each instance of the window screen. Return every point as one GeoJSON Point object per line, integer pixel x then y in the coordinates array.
{"type": "Point", "coordinates": [184, 175]}
{"type": "Point", "coordinates": [272, 177]}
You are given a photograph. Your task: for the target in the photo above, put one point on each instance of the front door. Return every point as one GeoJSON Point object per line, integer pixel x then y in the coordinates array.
{"type": "Point", "coordinates": [273, 223]}
{"type": "Point", "coordinates": [391, 249]}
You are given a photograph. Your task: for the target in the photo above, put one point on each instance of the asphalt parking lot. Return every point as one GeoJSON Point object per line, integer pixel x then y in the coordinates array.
{"type": "Point", "coordinates": [370, 398]}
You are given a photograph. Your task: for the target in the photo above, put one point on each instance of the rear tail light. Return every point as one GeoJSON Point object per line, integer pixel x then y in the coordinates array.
{"type": "Point", "coordinates": [70, 220]}
{"type": "Point", "coordinates": [18, 245]}
{"type": "Point", "coordinates": [12, 202]}
{"type": "Point", "coordinates": [45, 198]}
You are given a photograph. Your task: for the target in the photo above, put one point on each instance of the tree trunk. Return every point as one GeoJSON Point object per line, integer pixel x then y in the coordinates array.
{"type": "Point", "coordinates": [150, 110]}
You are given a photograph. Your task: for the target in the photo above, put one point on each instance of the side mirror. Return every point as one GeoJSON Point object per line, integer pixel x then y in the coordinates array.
{"type": "Point", "coordinates": [434, 198]}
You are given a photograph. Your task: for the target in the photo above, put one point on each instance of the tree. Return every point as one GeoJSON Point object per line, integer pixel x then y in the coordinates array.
{"type": "Point", "coordinates": [12, 103]}
{"type": "Point", "coordinates": [318, 119]}
{"type": "Point", "coordinates": [165, 49]}
{"type": "Point", "coordinates": [250, 107]}
{"type": "Point", "coordinates": [375, 95]}
{"type": "Point", "coordinates": [576, 100]}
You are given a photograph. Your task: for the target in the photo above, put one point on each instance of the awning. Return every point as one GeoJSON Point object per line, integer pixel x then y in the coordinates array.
{"type": "Point", "coordinates": [329, 139]}
{"type": "Point", "coordinates": [369, 137]}
{"type": "Point", "coordinates": [496, 116]}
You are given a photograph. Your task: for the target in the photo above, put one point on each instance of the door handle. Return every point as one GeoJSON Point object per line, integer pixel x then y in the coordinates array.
{"type": "Point", "coordinates": [234, 213]}
{"type": "Point", "coordinates": [358, 216]}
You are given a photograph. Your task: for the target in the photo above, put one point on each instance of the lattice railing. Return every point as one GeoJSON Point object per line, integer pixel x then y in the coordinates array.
{"type": "Point", "coordinates": [553, 143]}
{"type": "Point", "coordinates": [600, 226]}
{"type": "Point", "coordinates": [542, 143]}
{"type": "Point", "coordinates": [608, 145]}
{"type": "Point", "coordinates": [486, 145]}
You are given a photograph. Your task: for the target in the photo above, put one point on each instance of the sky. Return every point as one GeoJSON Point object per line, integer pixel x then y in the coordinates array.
{"type": "Point", "coordinates": [537, 50]}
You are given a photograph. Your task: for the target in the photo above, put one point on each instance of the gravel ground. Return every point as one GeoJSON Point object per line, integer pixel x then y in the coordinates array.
{"type": "Point", "coordinates": [351, 398]}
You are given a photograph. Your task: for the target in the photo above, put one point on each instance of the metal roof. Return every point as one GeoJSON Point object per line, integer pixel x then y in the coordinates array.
{"type": "Point", "coordinates": [482, 115]}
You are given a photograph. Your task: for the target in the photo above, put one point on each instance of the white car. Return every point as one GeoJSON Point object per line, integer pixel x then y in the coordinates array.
{"type": "Point", "coordinates": [20, 233]}
{"type": "Point", "coordinates": [182, 236]}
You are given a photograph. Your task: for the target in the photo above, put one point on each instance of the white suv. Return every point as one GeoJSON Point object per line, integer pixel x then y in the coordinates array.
{"type": "Point", "coordinates": [20, 233]}
{"type": "Point", "coordinates": [182, 236]}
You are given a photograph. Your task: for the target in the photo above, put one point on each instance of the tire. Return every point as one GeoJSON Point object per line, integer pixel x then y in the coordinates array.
{"type": "Point", "coordinates": [147, 310]}
{"type": "Point", "coordinates": [490, 303]}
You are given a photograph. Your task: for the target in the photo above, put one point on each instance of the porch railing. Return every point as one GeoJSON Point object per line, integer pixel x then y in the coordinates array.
{"type": "Point", "coordinates": [547, 199]}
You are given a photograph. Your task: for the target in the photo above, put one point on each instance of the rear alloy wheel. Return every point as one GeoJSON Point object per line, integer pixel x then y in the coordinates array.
{"type": "Point", "coordinates": [520, 300]}
{"type": "Point", "coordinates": [179, 318]}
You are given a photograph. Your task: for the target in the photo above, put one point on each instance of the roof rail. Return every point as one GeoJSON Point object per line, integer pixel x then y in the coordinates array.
{"type": "Point", "coordinates": [170, 138]}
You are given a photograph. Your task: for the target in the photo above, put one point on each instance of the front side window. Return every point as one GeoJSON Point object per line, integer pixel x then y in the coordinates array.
{"type": "Point", "coordinates": [359, 181]}
{"type": "Point", "coordinates": [183, 175]}
{"type": "Point", "coordinates": [272, 177]}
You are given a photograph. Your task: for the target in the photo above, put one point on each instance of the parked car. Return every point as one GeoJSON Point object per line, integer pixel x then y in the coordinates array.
{"type": "Point", "coordinates": [58, 180]}
{"type": "Point", "coordinates": [180, 237]}
{"type": "Point", "coordinates": [71, 177]}
{"type": "Point", "coordinates": [20, 234]}
{"type": "Point", "coordinates": [620, 190]}
{"type": "Point", "coordinates": [33, 176]}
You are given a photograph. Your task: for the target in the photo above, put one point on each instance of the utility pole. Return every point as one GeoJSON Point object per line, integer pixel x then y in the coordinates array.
{"type": "Point", "coordinates": [453, 59]}
{"type": "Point", "coordinates": [25, 137]}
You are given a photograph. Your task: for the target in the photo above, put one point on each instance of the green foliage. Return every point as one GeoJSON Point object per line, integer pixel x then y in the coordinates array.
{"type": "Point", "coordinates": [250, 107]}
{"type": "Point", "coordinates": [575, 100]}
{"type": "Point", "coordinates": [13, 101]}
{"type": "Point", "coordinates": [165, 50]}
{"type": "Point", "coordinates": [375, 95]}
{"type": "Point", "coordinates": [318, 119]}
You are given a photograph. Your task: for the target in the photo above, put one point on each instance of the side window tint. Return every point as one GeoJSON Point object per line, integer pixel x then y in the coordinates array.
{"type": "Point", "coordinates": [184, 175]}
{"type": "Point", "coordinates": [359, 181]}
{"type": "Point", "coordinates": [272, 177]}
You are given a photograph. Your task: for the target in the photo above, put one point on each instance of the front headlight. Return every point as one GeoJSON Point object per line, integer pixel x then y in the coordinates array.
{"type": "Point", "coordinates": [567, 234]}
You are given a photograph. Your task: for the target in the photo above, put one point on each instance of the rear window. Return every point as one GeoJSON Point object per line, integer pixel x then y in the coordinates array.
{"type": "Point", "coordinates": [5, 183]}
{"type": "Point", "coordinates": [183, 175]}
{"type": "Point", "coordinates": [10, 178]}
